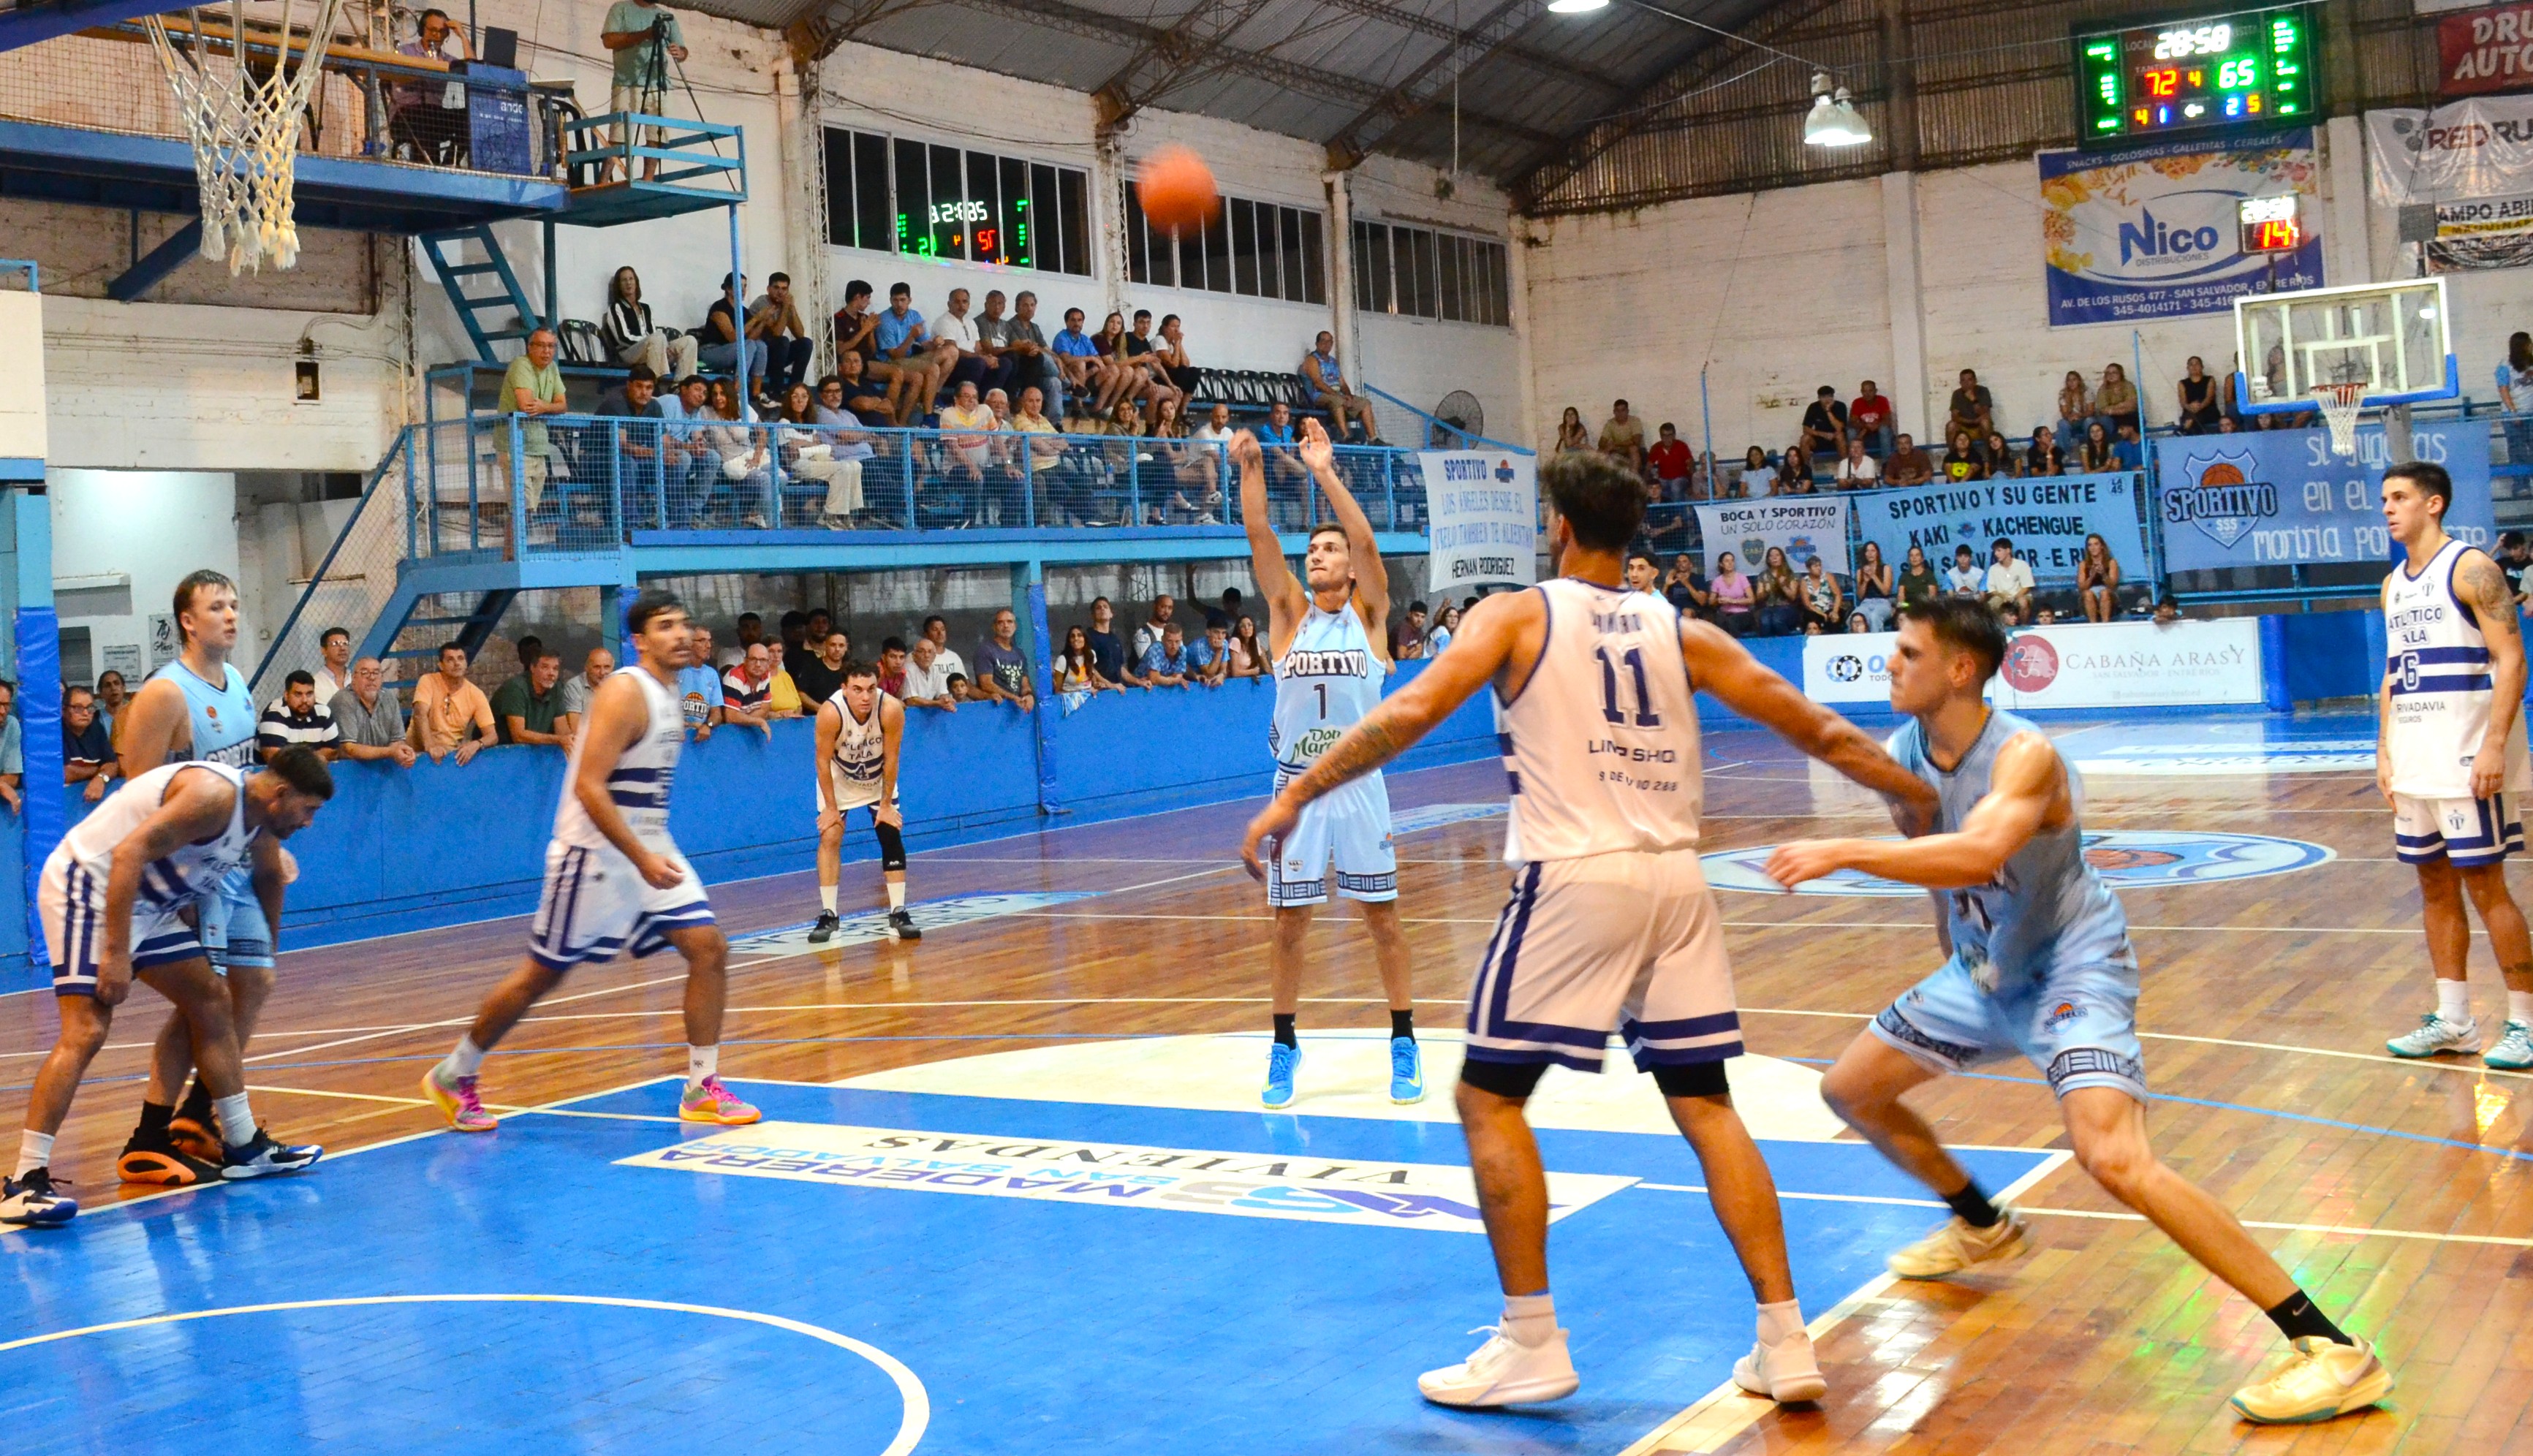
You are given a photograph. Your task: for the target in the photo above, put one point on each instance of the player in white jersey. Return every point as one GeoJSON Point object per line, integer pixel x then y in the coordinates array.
{"type": "Point", "coordinates": [2449, 757]}
{"type": "Point", "coordinates": [613, 878]}
{"type": "Point", "coordinates": [1325, 649]}
{"type": "Point", "coordinates": [2038, 963]}
{"type": "Point", "coordinates": [860, 731]}
{"type": "Point", "coordinates": [1610, 925]}
{"type": "Point", "coordinates": [112, 900]}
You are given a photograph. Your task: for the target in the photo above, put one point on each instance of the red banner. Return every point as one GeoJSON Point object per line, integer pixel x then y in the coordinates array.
{"type": "Point", "coordinates": [2480, 51]}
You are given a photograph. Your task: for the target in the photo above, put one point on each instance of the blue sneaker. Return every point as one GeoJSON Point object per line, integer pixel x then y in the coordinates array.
{"type": "Point", "coordinates": [30, 1202]}
{"type": "Point", "coordinates": [1281, 1063]}
{"type": "Point", "coordinates": [1406, 1071]}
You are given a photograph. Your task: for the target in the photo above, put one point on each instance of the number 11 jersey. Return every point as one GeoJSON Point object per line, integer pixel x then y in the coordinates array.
{"type": "Point", "coordinates": [1601, 744]}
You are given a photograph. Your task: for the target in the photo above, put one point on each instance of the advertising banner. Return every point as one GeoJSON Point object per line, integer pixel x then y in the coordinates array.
{"type": "Point", "coordinates": [2081, 665]}
{"type": "Point", "coordinates": [2279, 498]}
{"type": "Point", "coordinates": [2047, 518]}
{"type": "Point", "coordinates": [2152, 233]}
{"type": "Point", "coordinates": [1483, 517]}
{"type": "Point", "coordinates": [2484, 50]}
{"type": "Point", "coordinates": [1807, 526]}
{"type": "Point", "coordinates": [2473, 163]}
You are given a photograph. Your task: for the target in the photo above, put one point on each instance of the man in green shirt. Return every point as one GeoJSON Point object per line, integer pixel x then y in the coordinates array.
{"type": "Point", "coordinates": [644, 38]}
{"type": "Point", "coordinates": [532, 388]}
{"type": "Point", "coordinates": [524, 709]}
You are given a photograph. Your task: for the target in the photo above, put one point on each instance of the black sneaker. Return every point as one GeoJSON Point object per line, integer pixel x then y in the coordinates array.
{"type": "Point", "coordinates": [29, 1202]}
{"type": "Point", "coordinates": [825, 930]}
{"type": "Point", "coordinates": [159, 1160]}
{"type": "Point", "coordinates": [901, 924]}
{"type": "Point", "coordinates": [260, 1157]}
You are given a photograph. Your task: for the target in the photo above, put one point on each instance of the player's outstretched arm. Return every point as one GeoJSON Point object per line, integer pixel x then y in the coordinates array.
{"type": "Point", "coordinates": [1371, 577]}
{"type": "Point", "coordinates": [617, 719]}
{"type": "Point", "coordinates": [1719, 665]}
{"type": "Point", "coordinates": [2478, 581]}
{"type": "Point", "coordinates": [2026, 782]}
{"type": "Point", "coordinates": [1267, 564]}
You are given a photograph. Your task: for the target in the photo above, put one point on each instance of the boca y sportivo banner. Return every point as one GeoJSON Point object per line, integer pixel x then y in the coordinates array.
{"type": "Point", "coordinates": [2152, 233]}
{"type": "Point", "coordinates": [2279, 498]}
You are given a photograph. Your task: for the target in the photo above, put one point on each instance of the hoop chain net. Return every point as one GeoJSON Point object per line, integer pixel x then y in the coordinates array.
{"type": "Point", "coordinates": [244, 122]}
{"type": "Point", "coordinates": [2341, 405]}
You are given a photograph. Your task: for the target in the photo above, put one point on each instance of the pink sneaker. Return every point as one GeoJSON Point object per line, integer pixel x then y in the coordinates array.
{"type": "Point", "coordinates": [708, 1101]}
{"type": "Point", "coordinates": [457, 1101]}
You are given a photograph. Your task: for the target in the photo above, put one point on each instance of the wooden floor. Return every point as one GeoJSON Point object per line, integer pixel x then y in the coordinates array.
{"type": "Point", "coordinates": [2266, 1007]}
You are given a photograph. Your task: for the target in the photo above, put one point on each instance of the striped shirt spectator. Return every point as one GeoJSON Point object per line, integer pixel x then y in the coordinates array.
{"type": "Point", "coordinates": [746, 688]}
{"type": "Point", "coordinates": [297, 719]}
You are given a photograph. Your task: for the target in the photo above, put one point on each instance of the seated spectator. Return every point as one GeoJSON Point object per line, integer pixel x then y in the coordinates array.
{"type": "Point", "coordinates": [970, 451]}
{"type": "Point", "coordinates": [642, 446]}
{"type": "Point", "coordinates": [1734, 596]}
{"type": "Point", "coordinates": [1327, 385]}
{"type": "Point", "coordinates": [1248, 655]}
{"type": "Point", "coordinates": [811, 454]}
{"type": "Point", "coordinates": [528, 709]}
{"type": "Point", "coordinates": [632, 338]}
{"type": "Point", "coordinates": [1758, 477]}
{"type": "Point", "coordinates": [368, 721]}
{"type": "Point", "coordinates": [1407, 635]}
{"type": "Point", "coordinates": [1670, 462]}
{"type": "Point", "coordinates": [1622, 437]}
{"type": "Point", "coordinates": [2074, 410]}
{"type": "Point", "coordinates": [2197, 392]}
{"type": "Point", "coordinates": [1780, 596]}
{"type": "Point", "coordinates": [773, 323]}
{"type": "Point", "coordinates": [1873, 587]}
{"type": "Point", "coordinates": [1570, 434]}
{"type": "Point", "coordinates": [927, 677]}
{"type": "Point", "coordinates": [576, 691]}
{"type": "Point", "coordinates": [1856, 470]}
{"type": "Point", "coordinates": [690, 466]}
{"type": "Point", "coordinates": [87, 749]}
{"type": "Point", "coordinates": [856, 327]}
{"type": "Point", "coordinates": [892, 666]}
{"type": "Point", "coordinates": [956, 346]}
{"type": "Point", "coordinates": [2167, 609]}
{"type": "Point", "coordinates": [1107, 649]}
{"type": "Point", "coordinates": [1907, 465]}
{"type": "Point", "coordinates": [821, 672]}
{"type": "Point", "coordinates": [1824, 601]}
{"type": "Point", "coordinates": [782, 693]}
{"type": "Point", "coordinates": [1211, 655]}
{"type": "Point", "coordinates": [1164, 608]}
{"type": "Point", "coordinates": [2098, 580]}
{"type": "Point", "coordinates": [958, 688]}
{"type": "Point", "coordinates": [746, 690]}
{"type": "Point", "coordinates": [749, 629]}
{"type": "Point", "coordinates": [2098, 452]}
{"type": "Point", "coordinates": [726, 344]}
{"type": "Point", "coordinates": [2117, 400]}
{"type": "Point", "coordinates": [1003, 669]}
{"type": "Point", "coordinates": [746, 466]}
{"type": "Point", "coordinates": [1870, 420]}
{"type": "Point", "coordinates": [1076, 672]}
{"type": "Point", "coordinates": [1688, 590]}
{"type": "Point", "coordinates": [907, 360]}
{"type": "Point", "coordinates": [2127, 450]}
{"type": "Point", "coordinates": [1999, 455]}
{"type": "Point", "coordinates": [1166, 663]}
{"type": "Point", "coordinates": [111, 696]}
{"type": "Point", "coordinates": [1078, 368]}
{"type": "Point", "coordinates": [1176, 366]}
{"type": "Point", "coordinates": [2042, 456]}
{"type": "Point", "coordinates": [1965, 579]}
{"type": "Point", "coordinates": [1447, 626]}
{"type": "Point", "coordinates": [1973, 408]}
{"type": "Point", "coordinates": [2009, 579]}
{"type": "Point", "coordinates": [1825, 423]}
{"type": "Point", "coordinates": [13, 757]}
{"type": "Point", "coordinates": [699, 689]}
{"type": "Point", "coordinates": [334, 668]}
{"type": "Point", "coordinates": [1918, 580]}
{"type": "Point", "coordinates": [450, 715]}
{"type": "Point", "coordinates": [427, 118]}
{"type": "Point", "coordinates": [1793, 472]}
{"type": "Point", "coordinates": [857, 397]}
{"type": "Point", "coordinates": [1963, 458]}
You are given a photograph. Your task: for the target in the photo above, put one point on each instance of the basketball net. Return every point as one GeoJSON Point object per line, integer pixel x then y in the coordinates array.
{"type": "Point", "coordinates": [245, 128]}
{"type": "Point", "coordinates": [2341, 404]}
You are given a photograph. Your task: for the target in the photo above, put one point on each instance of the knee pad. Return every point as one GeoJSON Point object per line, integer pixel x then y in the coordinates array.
{"type": "Point", "coordinates": [1513, 1080]}
{"type": "Point", "coordinates": [892, 847]}
{"type": "Point", "coordinates": [1696, 1079]}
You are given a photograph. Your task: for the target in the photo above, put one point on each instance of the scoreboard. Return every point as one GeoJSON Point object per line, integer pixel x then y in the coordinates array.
{"type": "Point", "coordinates": [2245, 70]}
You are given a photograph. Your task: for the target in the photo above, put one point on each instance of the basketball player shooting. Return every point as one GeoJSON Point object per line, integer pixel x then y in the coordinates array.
{"type": "Point", "coordinates": [1611, 923]}
{"type": "Point", "coordinates": [1327, 649]}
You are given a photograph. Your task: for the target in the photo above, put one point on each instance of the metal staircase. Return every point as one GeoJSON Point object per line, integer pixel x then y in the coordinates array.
{"type": "Point", "coordinates": [508, 309]}
{"type": "Point", "coordinates": [472, 628]}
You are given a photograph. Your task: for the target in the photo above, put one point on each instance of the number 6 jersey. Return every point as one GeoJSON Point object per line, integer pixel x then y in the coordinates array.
{"type": "Point", "coordinates": [1601, 744]}
{"type": "Point", "coordinates": [2437, 664]}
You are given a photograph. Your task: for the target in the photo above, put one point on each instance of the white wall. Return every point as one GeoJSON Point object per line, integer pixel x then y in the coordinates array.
{"type": "Point", "coordinates": [153, 526]}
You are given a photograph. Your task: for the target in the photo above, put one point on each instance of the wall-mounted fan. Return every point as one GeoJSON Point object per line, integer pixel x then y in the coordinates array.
{"type": "Point", "coordinates": [1457, 421]}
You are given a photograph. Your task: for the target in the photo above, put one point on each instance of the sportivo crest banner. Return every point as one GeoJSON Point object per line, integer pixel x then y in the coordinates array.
{"type": "Point", "coordinates": [2279, 498]}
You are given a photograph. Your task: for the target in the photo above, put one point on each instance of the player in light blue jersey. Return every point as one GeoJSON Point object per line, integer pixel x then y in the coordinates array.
{"type": "Point", "coordinates": [198, 709]}
{"type": "Point", "coordinates": [1327, 653]}
{"type": "Point", "coordinates": [2038, 965]}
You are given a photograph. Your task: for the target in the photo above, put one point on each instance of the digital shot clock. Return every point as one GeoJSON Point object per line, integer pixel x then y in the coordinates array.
{"type": "Point", "coordinates": [2236, 71]}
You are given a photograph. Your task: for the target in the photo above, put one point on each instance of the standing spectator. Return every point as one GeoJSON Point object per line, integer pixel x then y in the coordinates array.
{"type": "Point", "coordinates": [368, 719]}
{"type": "Point", "coordinates": [773, 323]}
{"type": "Point", "coordinates": [745, 689]}
{"type": "Point", "coordinates": [892, 666]}
{"type": "Point", "coordinates": [959, 692]}
{"type": "Point", "coordinates": [334, 668]}
{"type": "Point", "coordinates": [2042, 456]}
{"type": "Point", "coordinates": [2074, 410]}
{"type": "Point", "coordinates": [2009, 579]}
{"type": "Point", "coordinates": [632, 338]}
{"type": "Point", "coordinates": [728, 346]}
{"type": "Point", "coordinates": [1003, 669]}
{"type": "Point", "coordinates": [2097, 579]}
{"type": "Point", "coordinates": [699, 689]}
{"type": "Point", "coordinates": [782, 694]}
{"type": "Point", "coordinates": [1873, 588]}
{"type": "Point", "coordinates": [577, 688]}
{"type": "Point", "coordinates": [111, 696]}
{"type": "Point", "coordinates": [1825, 423]}
{"type": "Point", "coordinates": [2196, 392]}
{"type": "Point", "coordinates": [532, 390]}
{"type": "Point", "coordinates": [1907, 465]}
{"type": "Point", "coordinates": [87, 749]}
{"type": "Point", "coordinates": [297, 720]}
{"type": "Point", "coordinates": [450, 715]}
{"type": "Point", "coordinates": [1734, 596]}
{"type": "Point", "coordinates": [1164, 607]}
{"type": "Point", "coordinates": [2167, 609]}
{"type": "Point", "coordinates": [2515, 558]}
{"type": "Point", "coordinates": [1166, 663]}
{"type": "Point", "coordinates": [1107, 649]}
{"type": "Point", "coordinates": [640, 33]}
{"type": "Point", "coordinates": [2098, 452]}
{"type": "Point", "coordinates": [1328, 390]}
{"type": "Point", "coordinates": [1670, 462]}
{"type": "Point", "coordinates": [1973, 408]}
{"type": "Point", "coordinates": [821, 674]}
{"type": "Point", "coordinates": [1870, 418]}
{"type": "Point", "coordinates": [2117, 400]}
{"type": "Point", "coordinates": [1918, 580]}
{"type": "Point", "coordinates": [2515, 390]}
{"type": "Point", "coordinates": [927, 678]}
{"type": "Point", "coordinates": [1622, 437]}
{"type": "Point", "coordinates": [1824, 603]}
{"type": "Point", "coordinates": [528, 708]}
{"type": "Point", "coordinates": [938, 632]}
{"type": "Point", "coordinates": [1407, 634]}
{"type": "Point", "coordinates": [1856, 470]}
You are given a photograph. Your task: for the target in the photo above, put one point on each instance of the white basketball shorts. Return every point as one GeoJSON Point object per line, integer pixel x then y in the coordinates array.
{"type": "Point", "coordinates": [2469, 832]}
{"type": "Point", "coordinates": [1345, 832]}
{"type": "Point", "coordinates": [1629, 941]}
{"type": "Point", "coordinates": [71, 903]}
{"type": "Point", "coordinates": [595, 905]}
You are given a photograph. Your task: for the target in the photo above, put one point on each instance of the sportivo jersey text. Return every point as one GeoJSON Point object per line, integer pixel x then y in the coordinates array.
{"type": "Point", "coordinates": [1325, 684]}
{"type": "Point", "coordinates": [222, 719]}
{"type": "Point", "coordinates": [2437, 664]}
{"type": "Point", "coordinates": [1600, 746]}
{"type": "Point", "coordinates": [639, 782]}
{"type": "Point", "coordinates": [858, 748]}
{"type": "Point", "coordinates": [182, 874]}
{"type": "Point", "coordinates": [2047, 911]}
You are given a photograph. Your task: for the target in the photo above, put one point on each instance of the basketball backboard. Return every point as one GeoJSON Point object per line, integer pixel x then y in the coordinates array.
{"type": "Point", "coordinates": [2393, 339]}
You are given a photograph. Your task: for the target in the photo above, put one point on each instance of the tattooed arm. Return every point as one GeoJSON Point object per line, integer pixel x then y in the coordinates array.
{"type": "Point", "coordinates": [2479, 582]}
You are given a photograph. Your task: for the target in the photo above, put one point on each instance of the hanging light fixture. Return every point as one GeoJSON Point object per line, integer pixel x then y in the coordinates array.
{"type": "Point", "coordinates": [1576, 7]}
{"type": "Point", "coordinates": [1833, 120]}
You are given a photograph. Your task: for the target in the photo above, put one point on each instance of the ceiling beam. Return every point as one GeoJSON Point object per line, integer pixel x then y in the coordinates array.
{"type": "Point", "coordinates": [818, 31]}
{"type": "Point", "coordinates": [1418, 89]}
{"type": "Point", "coordinates": [1387, 13]}
{"type": "Point", "coordinates": [1200, 35]}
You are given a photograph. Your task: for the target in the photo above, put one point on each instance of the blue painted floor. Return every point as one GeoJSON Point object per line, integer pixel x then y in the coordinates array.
{"type": "Point", "coordinates": [1032, 1326]}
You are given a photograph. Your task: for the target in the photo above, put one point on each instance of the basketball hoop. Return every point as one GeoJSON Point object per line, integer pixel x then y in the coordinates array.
{"type": "Point", "coordinates": [2341, 404]}
{"type": "Point", "coordinates": [245, 128]}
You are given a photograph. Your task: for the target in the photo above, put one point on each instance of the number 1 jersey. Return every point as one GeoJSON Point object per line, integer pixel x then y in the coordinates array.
{"type": "Point", "coordinates": [1325, 684]}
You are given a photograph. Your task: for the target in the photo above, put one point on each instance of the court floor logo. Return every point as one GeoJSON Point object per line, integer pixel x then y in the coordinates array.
{"type": "Point", "coordinates": [2129, 859]}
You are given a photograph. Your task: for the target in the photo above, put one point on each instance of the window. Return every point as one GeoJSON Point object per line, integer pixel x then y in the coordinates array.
{"type": "Point", "coordinates": [1430, 275]}
{"type": "Point", "coordinates": [1260, 249]}
{"type": "Point", "coordinates": [891, 195]}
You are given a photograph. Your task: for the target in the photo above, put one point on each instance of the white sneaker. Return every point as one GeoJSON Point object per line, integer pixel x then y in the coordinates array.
{"type": "Point", "coordinates": [2324, 1378]}
{"type": "Point", "coordinates": [1503, 1372]}
{"type": "Point", "coordinates": [2514, 1049]}
{"type": "Point", "coordinates": [1783, 1371]}
{"type": "Point", "coordinates": [2437, 1034]}
{"type": "Point", "coordinates": [1955, 1246]}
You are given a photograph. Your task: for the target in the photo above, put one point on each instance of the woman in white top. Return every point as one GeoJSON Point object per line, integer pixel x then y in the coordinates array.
{"type": "Point", "coordinates": [631, 337]}
{"type": "Point", "coordinates": [746, 467]}
{"type": "Point", "coordinates": [1445, 622]}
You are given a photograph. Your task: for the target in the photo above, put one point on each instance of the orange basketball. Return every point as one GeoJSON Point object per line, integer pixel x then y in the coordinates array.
{"type": "Point", "coordinates": [1176, 189]}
